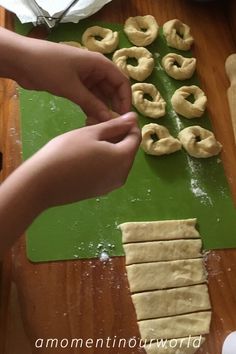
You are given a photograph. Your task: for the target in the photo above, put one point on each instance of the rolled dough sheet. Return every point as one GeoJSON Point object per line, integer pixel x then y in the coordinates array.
{"type": "Point", "coordinates": [163, 275]}
{"type": "Point", "coordinates": [176, 326]}
{"type": "Point", "coordinates": [158, 230]}
{"type": "Point", "coordinates": [162, 251]}
{"type": "Point", "coordinates": [164, 303]}
{"type": "Point", "coordinates": [189, 345]}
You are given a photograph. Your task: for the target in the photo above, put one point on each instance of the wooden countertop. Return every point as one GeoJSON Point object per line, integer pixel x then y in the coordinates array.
{"type": "Point", "coordinates": [87, 299]}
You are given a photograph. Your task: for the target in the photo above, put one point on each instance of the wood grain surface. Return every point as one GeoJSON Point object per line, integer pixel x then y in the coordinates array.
{"type": "Point", "coordinates": [89, 299]}
{"type": "Point", "coordinates": [230, 68]}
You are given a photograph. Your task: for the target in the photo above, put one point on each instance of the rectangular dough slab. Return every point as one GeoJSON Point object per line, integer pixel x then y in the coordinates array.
{"type": "Point", "coordinates": [158, 230]}
{"type": "Point", "coordinates": [162, 251]}
{"type": "Point", "coordinates": [192, 324]}
{"type": "Point", "coordinates": [188, 345]}
{"type": "Point", "coordinates": [164, 303]}
{"type": "Point", "coordinates": [163, 275]}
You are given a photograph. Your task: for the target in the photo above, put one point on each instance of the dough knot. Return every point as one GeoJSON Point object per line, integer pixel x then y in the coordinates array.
{"type": "Point", "coordinates": [142, 55]}
{"type": "Point", "coordinates": [199, 142]}
{"type": "Point", "coordinates": [156, 140]}
{"type": "Point", "coordinates": [178, 35]}
{"type": "Point", "coordinates": [184, 107]}
{"type": "Point", "coordinates": [141, 30]}
{"type": "Point", "coordinates": [99, 39]}
{"type": "Point", "coordinates": [153, 109]}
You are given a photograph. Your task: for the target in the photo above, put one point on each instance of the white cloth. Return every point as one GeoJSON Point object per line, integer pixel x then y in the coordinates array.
{"type": "Point", "coordinates": [26, 11]}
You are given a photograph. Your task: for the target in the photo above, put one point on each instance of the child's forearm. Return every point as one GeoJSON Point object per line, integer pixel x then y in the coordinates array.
{"type": "Point", "coordinates": [11, 54]}
{"type": "Point", "coordinates": [19, 205]}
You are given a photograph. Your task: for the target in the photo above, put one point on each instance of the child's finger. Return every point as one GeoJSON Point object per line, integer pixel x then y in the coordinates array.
{"type": "Point", "coordinates": [117, 127]}
{"type": "Point", "coordinates": [91, 104]}
{"type": "Point", "coordinates": [130, 143]}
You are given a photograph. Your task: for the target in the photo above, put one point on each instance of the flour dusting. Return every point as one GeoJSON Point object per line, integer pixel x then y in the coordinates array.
{"type": "Point", "coordinates": [195, 182]}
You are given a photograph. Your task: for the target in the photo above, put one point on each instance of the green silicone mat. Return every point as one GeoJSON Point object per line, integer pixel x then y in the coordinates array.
{"type": "Point", "coordinates": [158, 188]}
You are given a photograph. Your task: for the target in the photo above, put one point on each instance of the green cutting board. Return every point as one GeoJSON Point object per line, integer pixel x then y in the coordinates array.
{"type": "Point", "coordinates": [158, 188]}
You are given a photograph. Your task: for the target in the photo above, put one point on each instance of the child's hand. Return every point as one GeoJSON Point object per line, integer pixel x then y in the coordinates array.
{"type": "Point", "coordinates": [80, 164]}
{"type": "Point", "coordinates": [86, 162]}
{"type": "Point", "coordinates": [89, 79]}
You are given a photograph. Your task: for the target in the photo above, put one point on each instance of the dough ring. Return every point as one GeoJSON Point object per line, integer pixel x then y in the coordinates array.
{"type": "Point", "coordinates": [164, 144]}
{"type": "Point", "coordinates": [141, 30]}
{"type": "Point", "coordinates": [179, 67]}
{"type": "Point", "coordinates": [108, 43]}
{"type": "Point", "coordinates": [153, 109]}
{"type": "Point", "coordinates": [177, 35]}
{"type": "Point", "coordinates": [144, 58]}
{"type": "Point", "coordinates": [184, 107]}
{"type": "Point", "coordinates": [199, 142]}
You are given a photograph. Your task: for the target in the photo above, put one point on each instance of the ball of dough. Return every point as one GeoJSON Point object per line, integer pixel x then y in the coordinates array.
{"type": "Point", "coordinates": [100, 39]}
{"type": "Point", "coordinates": [156, 140]}
{"type": "Point", "coordinates": [153, 109]}
{"type": "Point", "coordinates": [179, 67]}
{"type": "Point", "coordinates": [141, 30]}
{"type": "Point", "coordinates": [199, 142]}
{"type": "Point", "coordinates": [142, 55]}
{"type": "Point", "coordinates": [184, 107]}
{"type": "Point", "coordinates": [178, 35]}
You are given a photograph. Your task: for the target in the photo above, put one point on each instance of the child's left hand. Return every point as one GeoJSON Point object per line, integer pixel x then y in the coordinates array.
{"type": "Point", "coordinates": [87, 78]}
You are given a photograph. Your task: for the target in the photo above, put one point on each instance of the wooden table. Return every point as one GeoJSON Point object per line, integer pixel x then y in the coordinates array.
{"type": "Point", "coordinates": [87, 299]}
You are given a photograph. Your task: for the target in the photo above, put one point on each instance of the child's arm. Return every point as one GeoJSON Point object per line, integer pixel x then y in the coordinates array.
{"type": "Point", "coordinates": [89, 79]}
{"type": "Point", "coordinates": [77, 165]}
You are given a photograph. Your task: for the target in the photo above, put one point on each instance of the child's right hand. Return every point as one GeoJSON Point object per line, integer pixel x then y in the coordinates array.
{"type": "Point", "coordinates": [86, 162]}
{"type": "Point", "coordinates": [80, 164]}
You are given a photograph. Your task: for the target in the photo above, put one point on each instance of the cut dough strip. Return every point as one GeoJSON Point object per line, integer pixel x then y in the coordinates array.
{"type": "Point", "coordinates": [187, 345]}
{"type": "Point", "coordinates": [158, 230]}
{"type": "Point", "coordinates": [158, 251]}
{"type": "Point", "coordinates": [172, 302]}
{"type": "Point", "coordinates": [164, 275]}
{"type": "Point", "coordinates": [175, 327]}
{"type": "Point", "coordinates": [167, 280]}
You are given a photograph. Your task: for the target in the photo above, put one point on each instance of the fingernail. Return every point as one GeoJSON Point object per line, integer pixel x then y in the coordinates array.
{"type": "Point", "coordinates": [129, 115]}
